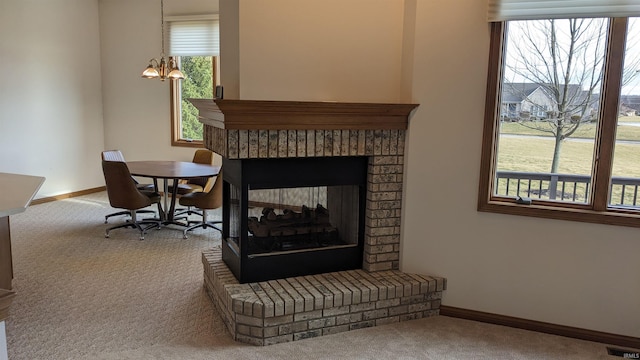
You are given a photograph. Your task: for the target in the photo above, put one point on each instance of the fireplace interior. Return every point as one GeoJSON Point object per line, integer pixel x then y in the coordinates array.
{"type": "Point", "coordinates": [293, 217]}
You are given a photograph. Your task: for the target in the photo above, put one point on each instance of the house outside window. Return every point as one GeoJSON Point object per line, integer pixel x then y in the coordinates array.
{"type": "Point", "coordinates": [194, 44]}
{"type": "Point", "coordinates": [570, 146]}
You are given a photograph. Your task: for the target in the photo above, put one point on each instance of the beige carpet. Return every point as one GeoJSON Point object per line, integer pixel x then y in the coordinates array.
{"type": "Point", "coordinates": [81, 296]}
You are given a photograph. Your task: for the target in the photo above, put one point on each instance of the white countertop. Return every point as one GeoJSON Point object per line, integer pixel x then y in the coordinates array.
{"type": "Point", "coordinates": [17, 192]}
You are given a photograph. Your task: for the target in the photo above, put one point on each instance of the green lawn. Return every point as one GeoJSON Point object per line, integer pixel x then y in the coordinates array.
{"type": "Point", "coordinates": [585, 131]}
{"type": "Point", "coordinates": [534, 154]}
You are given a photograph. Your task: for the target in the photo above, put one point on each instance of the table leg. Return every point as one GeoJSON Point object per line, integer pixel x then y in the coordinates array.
{"type": "Point", "coordinates": [171, 208]}
{"type": "Point", "coordinates": [165, 195]}
{"type": "Point", "coordinates": [174, 194]}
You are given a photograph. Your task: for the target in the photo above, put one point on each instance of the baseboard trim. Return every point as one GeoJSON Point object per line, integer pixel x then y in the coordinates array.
{"type": "Point", "coordinates": [67, 195]}
{"type": "Point", "coordinates": [543, 327]}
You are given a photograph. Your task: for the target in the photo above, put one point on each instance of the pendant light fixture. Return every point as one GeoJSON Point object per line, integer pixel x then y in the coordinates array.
{"type": "Point", "coordinates": [163, 68]}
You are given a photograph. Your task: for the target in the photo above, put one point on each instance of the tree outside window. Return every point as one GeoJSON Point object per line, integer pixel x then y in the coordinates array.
{"type": "Point", "coordinates": [563, 139]}
{"type": "Point", "coordinates": [199, 83]}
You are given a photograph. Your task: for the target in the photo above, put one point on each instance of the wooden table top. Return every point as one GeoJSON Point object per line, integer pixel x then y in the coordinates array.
{"type": "Point", "coordinates": [172, 169]}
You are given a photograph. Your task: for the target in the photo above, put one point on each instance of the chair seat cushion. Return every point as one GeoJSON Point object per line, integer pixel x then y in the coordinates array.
{"type": "Point", "coordinates": [147, 187]}
{"type": "Point", "coordinates": [187, 188]}
{"type": "Point", "coordinates": [191, 199]}
{"type": "Point", "coordinates": [153, 196]}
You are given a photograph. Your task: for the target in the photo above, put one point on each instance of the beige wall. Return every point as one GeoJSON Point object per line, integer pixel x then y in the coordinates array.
{"type": "Point", "coordinates": [50, 93]}
{"type": "Point", "coordinates": [286, 46]}
{"type": "Point", "coordinates": [561, 272]}
{"type": "Point", "coordinates": [567, 273]}
{"type": "Point", "coordinates": [74, 87]}
{"type": "Point", "coordinates": [137, 110]}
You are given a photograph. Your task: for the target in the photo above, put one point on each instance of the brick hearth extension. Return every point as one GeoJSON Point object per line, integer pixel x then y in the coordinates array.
{"type": "Point", "coordinates": [297, 308]}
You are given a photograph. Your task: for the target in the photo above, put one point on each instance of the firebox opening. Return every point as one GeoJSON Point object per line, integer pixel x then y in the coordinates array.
{"type": "Point", "coordinates": [286, 219]}
{"type": "Point", "coordinates": [291, 217]}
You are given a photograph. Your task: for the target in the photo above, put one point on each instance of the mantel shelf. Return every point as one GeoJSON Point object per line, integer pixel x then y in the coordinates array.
{"type": "Point", "coordinates": [302, 115]}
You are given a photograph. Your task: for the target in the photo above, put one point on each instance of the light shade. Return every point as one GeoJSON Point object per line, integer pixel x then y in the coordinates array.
{"type": "Point", "coordinates": [158, 69]}
{"type": "Point", "coordinates": [150, 72]}
{"type": "Point", "coordinates": [175, 74]}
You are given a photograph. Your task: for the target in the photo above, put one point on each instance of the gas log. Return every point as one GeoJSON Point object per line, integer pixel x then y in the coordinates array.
{"type": "Point", "coordinates": [291, 229]}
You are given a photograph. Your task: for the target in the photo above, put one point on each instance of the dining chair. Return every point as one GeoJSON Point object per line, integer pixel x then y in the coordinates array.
{"type": "Point", "coordinates": [124, 194]}
{"type": "Point", "coordinates": [116, 155]}
{"type": "Point", "coordinates": [201, 156]}
{"type": "Point", "coordinates": [207, 200]}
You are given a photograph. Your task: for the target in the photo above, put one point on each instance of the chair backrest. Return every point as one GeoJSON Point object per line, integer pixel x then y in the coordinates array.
{"type": "Point", "coordinates": [202, 156]}
{"type": "Point", "coordinates": [113, 155]}
{"type": "Point", "coordinates": [121, 189]}
{"type": "Point", "coordinates": [213, 198]}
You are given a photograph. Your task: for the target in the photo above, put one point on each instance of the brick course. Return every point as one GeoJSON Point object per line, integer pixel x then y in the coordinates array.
{"type": "Point", "coordinates": [309, 306]}
{"type": "Point", "coordinates": [385, 149]}
{"type": "Point", "coordinates": [302, 307]}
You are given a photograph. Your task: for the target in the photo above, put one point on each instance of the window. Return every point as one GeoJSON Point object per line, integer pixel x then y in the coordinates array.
{"type": "Point", "coordinates": [570, 87]}
{"type": "Point", "coordinates": [199, 83]}
{"type": "Point", "coordinates": [194, 44]}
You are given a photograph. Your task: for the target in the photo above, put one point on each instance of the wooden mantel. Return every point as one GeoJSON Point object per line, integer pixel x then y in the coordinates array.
{"type": "Point", "coordinates": [302, 115]}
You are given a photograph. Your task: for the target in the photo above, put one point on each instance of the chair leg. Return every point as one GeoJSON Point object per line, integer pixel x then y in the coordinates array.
{"type": "Point", "coordinates": [204, 224]}
{"type": "Point", "coordinates": [106, 218]}
{"type": "Point", "coordinates": [189, 211]}
{"type": "Point", "coordinates": [125, 225]}
{"type": "Point", "coordinates": [143, 230]}
{"type": "Point", "coordinates": [134, 223]}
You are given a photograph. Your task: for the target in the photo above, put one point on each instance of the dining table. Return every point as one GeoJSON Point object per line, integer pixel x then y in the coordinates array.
{"type": "Point", "coordinates": [171, 171]}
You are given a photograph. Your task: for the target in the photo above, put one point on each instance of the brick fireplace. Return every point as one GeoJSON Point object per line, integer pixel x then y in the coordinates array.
{"type": "Point", "coordinates": [300, 306]}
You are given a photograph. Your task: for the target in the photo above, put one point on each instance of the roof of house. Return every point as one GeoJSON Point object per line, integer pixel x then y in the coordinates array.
{"type": "Point", "coordinates": [517, 92]}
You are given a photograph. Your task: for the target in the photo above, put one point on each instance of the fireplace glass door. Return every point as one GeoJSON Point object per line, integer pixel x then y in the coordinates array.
{"type": "Point", "coordinates": [302, 219]}
{"type": "Point", "coordinates": [290, 217]}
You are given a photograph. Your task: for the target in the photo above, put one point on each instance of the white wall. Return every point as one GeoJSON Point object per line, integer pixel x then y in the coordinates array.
{"type": "Point", "coordinates": [74, 88]}
{"type": "Point", "coordinates": [561, 272]}
{"type": "Point", "coordinates": [50, 93]}
{"type": "Point", "coordinates": [137, 116]}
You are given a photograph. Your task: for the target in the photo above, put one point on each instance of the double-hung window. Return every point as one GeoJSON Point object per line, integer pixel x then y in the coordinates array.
{"type": "Point", "coordinates": [194, 44]}
{"type": "Point", "coordinates": [562, 131]}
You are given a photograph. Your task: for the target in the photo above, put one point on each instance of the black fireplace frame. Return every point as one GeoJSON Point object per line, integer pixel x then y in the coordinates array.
{"type": "Point", "coordinates": [269, 173]}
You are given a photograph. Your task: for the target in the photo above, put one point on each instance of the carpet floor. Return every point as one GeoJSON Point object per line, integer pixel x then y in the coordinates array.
{"type": "Point", "coordinates": [83, 296]}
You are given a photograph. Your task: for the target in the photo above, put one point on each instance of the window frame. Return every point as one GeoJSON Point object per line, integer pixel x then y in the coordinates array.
{"type": "Point", "coordinates": [597, 210]}
{"type": "Point", "coordinates": [175, 99]}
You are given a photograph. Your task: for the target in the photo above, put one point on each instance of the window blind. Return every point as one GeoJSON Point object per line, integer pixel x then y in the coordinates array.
{"type": "Point", "coordinates": [503, 10]}
{"type": "Point", "coordinates": [194, 38]}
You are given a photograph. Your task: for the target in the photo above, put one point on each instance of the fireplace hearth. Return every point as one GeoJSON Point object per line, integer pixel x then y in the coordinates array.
{"type": "Point", "coordinates": [311, 219]}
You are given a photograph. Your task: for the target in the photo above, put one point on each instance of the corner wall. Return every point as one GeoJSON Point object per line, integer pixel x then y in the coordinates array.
{"type": "Point", "coordinates": [330, 50]}
{"type": "Point", "coordinates": [561, 272]}
{"type": "Point", "coordinates": [137, 118]}
{"type": "Point", "coordinates": [50, 93]}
